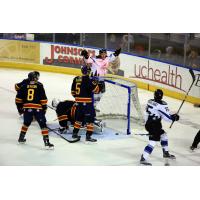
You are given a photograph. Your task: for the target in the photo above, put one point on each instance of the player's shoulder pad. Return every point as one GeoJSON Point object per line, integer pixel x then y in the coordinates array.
{"type": "Point", "coordinates": [39, 83]}
{"type": "Point", "coordinates": [151, 101]}
{"type": "Point", "coordinates": [163, 103]}
{"type": "Point", "coordinates": [76, 77]}
{"type": "Point", "coordinates": [23, 86]}
{"type": "Point", "coordinates": [25, 81]}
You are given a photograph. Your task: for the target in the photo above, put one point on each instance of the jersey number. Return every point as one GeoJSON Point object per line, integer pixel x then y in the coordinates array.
{"type": "Point", "coordinates": [78, 88]}
{"type": "Point", "coordinates": [30, 94]}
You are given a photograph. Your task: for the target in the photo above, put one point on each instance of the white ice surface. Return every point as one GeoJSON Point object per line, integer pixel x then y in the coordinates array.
{"type": "Point", "coordinates": [118, 151]}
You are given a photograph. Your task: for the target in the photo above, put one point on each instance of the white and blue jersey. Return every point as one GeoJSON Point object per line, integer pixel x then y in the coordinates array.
{"type": "Point", "coordinates": [156, 111]}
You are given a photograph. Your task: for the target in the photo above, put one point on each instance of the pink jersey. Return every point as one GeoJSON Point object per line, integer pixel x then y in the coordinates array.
{"type": "Point", "coordinates": [99, 65]}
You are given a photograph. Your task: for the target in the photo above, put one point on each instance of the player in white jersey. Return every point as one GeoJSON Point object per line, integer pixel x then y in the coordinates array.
{"type": "Point", "coordinates": [156, 111]}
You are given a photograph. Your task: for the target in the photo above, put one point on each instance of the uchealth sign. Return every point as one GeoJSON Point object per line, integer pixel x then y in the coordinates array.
{"type": "Point", "coordinates": [62, 55]}
{"type": "Point", "coordinates": [171, 77]}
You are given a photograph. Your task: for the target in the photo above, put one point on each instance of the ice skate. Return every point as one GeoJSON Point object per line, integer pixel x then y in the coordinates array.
{"type": "Point", "coordinates": [22, 140]}
{"type": "Point", "coordinates": [192, 148]}
{"type": "Point", "coordinates": [48, 145]}
{"type": "Point", "coordinates": [63, 130]}
{"type": "Point", "coordinates": [166, 154]}
{"type": "Point", "coordinates": [90, 139]}
{"type": "Point", "coordinates": [76, 136]}
{"type": "Point", "coordinates": [143, 161]}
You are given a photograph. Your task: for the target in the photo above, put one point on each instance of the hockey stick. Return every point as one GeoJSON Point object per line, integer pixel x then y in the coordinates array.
{"type": "Point", "coordinates": [142, 134]}
{"type": "Point", "coordinates": [51, 107]}
{"type": "Point", "coordinates": [70, 141]}
{"type": "Point", "coordinates": [193, 80]}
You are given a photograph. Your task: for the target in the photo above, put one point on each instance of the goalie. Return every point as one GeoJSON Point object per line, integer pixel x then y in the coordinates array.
{"type": "Point", "coordinates": [65, 111]}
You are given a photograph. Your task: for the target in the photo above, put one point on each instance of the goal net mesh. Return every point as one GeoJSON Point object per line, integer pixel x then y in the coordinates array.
{"type": "Point", "coordinates": [119, 106]}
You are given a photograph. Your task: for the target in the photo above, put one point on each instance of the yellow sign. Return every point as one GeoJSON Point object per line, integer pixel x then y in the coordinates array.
{"type": "Point", "coordinates": [20, 51]}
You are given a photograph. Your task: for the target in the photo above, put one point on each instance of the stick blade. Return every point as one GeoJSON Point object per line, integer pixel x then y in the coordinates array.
{"type": "Point", "coordinates": [192, 74]}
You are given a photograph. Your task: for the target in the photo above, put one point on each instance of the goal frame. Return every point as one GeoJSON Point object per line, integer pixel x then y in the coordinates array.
{"type": "Point", "coordinates": [128, 102]}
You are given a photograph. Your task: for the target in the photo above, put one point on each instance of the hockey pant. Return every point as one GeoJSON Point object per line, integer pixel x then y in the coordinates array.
{"type": "Point", "coordinates": [39, 116]}
{"type": "Point", "coordinates": [85, 113]}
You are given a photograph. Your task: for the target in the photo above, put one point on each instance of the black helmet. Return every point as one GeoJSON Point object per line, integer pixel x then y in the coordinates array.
{"type": "Point", "coordinates": [102, 51]}
{"type": "Point", "coordinates": [37, 74]}
{"type": "Point", "coordinates": [158, 94]}
{"type": "Point", "coordinates": [85, 70]}
{"type": "Point", "coordinates": [32, 76]}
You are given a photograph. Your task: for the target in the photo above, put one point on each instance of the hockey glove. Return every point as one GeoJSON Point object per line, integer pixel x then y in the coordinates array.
{"type": "Point", "coordinates": [84, 53]}
{"type": "Point", "coordinates": [175, 117]}
{"type": "Point", "coordinates": [21, 111]}
{"type": "Point", "coordinates": [117, 52]}
{"type": "Point", "coordinates": [44, 109]}
{"type": "Point", "coordinates": [102, 87]}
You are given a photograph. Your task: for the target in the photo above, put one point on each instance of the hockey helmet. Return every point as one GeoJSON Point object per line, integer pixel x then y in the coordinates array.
{"type": "Point", "coordinates": [85, 70]}
{"type": "Point", "coordinates": [158, 94]}
{"type": "Point", "coordinates": [37, 74]}
{"type": "Point", "coordinates": [102, 51]}
{"type": "Point", "coordinates": [32, 76]}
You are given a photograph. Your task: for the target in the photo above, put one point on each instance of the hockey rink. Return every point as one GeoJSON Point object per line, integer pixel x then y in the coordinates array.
{"type": "Point", "coordinates": [110, 150]}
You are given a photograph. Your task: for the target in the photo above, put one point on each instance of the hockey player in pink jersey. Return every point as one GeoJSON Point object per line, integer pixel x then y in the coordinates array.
{"type": "Point", "coordinates": [99, 64]}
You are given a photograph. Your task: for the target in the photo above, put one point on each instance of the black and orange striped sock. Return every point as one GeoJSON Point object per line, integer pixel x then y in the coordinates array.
{"type": "Point", "coordinates": [45, 132]}
{"type": "Point", "coordinates": [24, 129]}
{"type": "Point", "coordinates": [90, 127]}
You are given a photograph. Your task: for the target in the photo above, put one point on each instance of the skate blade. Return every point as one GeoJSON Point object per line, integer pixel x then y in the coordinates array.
{"type": "Point", "coordinates": [142, 164]}
{"type": "Point", "coordinates": [192, 150]}
{"type": "Point", "coordinates": [48, 148]}
{"type": "Point", "coordinates": [172, 158]}
{"type": "Point", "coordinates": [21, 142]}
{"type": "Point", "coordinates": [90, 142]}
{"type": "Point", "coordinates": [145, 164]}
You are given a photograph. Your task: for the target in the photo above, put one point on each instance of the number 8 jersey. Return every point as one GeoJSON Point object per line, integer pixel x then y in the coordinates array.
{"type": "Point", "coordinates": [32, 95]}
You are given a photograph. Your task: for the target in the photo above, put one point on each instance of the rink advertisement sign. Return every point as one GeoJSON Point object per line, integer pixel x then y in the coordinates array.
{"type": "Point", "coordinates": [159, 74]}
{"type": "Point", "coordinates": [62, 55]}
{"type": "Point", "coordinates": [20, 51]}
